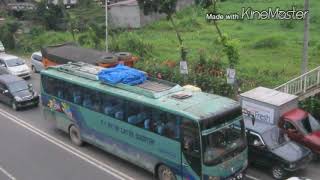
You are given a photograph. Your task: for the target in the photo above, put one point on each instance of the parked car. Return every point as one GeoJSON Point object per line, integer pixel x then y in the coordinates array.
{"type": "Point", "coordinates": [14, 65]}
{"type": "Point", "coordinates": [2, 49]}
{"type": "Point", "coordinates": [303, 128]}
{"type": "Point", "coordinates": [268, 147]}
{"type": "Point", "coordinates": [16, 92]}
{"type": "Point", "coordinates": [36, 62]}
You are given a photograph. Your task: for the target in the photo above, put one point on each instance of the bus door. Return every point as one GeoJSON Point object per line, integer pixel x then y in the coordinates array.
{"type": "Point", "coordinates": [191, 152]}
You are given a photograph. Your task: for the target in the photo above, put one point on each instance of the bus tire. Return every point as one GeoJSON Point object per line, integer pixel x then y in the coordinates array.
{"type": "Point", "coordinates": [75, 137]}
{"type": "Point", "coordinates": [165, 173]}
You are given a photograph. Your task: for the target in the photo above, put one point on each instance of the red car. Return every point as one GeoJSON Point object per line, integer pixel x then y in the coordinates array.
{"type": "Point", "coordinates": [302, 127]}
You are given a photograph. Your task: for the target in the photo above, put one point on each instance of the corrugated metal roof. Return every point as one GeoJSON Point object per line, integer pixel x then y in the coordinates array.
{"type": "Point", "coordinates": [269, 96]}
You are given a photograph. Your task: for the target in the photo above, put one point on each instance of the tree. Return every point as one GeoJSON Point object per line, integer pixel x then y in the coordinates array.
{"type": "Point", "coordinates": [7, 33]}
{"type": "Point", "coordinates": [167, 7]}
{"type": "Point", "coordinates": [304, 64]}
{"type": "Point", "coordinates": [52, 16]}
{"type": "Point", "coordinates": [230, 45]}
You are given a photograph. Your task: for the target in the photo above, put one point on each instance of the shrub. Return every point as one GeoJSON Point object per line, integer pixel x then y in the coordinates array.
{"type": "Point", "coordinates": [269, 42]}
{"type": "Point", "coordinates": [288, 24]}
{"type": "Point", "coordinates": [132, 43]}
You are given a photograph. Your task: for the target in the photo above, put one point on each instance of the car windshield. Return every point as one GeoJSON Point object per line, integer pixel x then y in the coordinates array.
{"type": "Point", "coordinates": [14, 62]}
{"type": "Point", "coordinates": [308, 124]}
{"type": "Point", "coordinates": [224, 143]}
{"type": "Point", "coordinates": [274, 138]}
{"type": "Point", "coordinates": [18, 86]}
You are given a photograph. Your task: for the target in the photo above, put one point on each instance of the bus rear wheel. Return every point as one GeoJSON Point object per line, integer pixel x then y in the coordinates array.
{"type": "Point", "coordinates": [75, 137]}
{"type": "Point", "coordinates": [165, 173]}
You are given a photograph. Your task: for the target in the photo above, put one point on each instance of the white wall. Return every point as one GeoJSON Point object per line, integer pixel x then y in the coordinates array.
{"type": "Point", "coordinates": [125, 16]}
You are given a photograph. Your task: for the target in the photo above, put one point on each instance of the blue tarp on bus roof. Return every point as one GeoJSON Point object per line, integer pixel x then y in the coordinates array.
{"type": "Point", "coordinates": [122, 74]}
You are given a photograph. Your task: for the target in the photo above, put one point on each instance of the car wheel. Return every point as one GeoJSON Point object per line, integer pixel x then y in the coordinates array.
{"type": "Point", "coordinates": [165, 173]}
{"type": "Point", "coordinates": [14, 105]}
{"type": "Point", "coordinates": [75, 137]}
{"type": "Point", "coordinates": [278, 172]}
{"type": "Point", "coordinates": [33, 69]}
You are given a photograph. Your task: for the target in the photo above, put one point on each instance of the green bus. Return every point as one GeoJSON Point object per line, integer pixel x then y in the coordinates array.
{"type": "Point", "coordinates": [172, 131]}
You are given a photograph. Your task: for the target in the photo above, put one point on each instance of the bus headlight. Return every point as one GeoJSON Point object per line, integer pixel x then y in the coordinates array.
{"type": "Point", "coordinates": [214, 178]}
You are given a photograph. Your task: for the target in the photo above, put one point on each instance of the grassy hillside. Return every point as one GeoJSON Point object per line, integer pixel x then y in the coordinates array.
{"type": "Point", "coordinates": [270, 50]}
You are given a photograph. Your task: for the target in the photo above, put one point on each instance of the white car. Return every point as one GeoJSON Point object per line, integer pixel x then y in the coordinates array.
{"type": "Point", "coordinates": [36, 62]}
{"type": "Point", "coordinates": [1, 48]}
{"type": "Point", "coordinates": [14, 65]}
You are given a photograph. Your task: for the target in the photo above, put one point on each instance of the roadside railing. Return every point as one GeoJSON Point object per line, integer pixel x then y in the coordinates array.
{"type": "Point", "coordinates": [301, 84]}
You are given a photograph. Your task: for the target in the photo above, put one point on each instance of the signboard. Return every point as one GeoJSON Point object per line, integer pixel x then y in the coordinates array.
{"type": "Point", "coordinates": [260, 113]}
{"type": "Point", "coordinates": [183, 67]}
{"type": "Point", "coordinates": [231, 76]}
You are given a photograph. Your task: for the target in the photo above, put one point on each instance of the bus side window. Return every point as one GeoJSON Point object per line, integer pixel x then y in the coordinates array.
{"type": "Point", "coordinates": [48, 85]}
{"type": "Point", "coordinates": [118, 108]}
{"type": "Point", "coordinates": [138, 114]}
{"type": "Point", "coordinates": [172, 127]}
{"type": "Point", "coordinates": [76, 95]}
{"type": "Point", "coordinates": [159, 120]}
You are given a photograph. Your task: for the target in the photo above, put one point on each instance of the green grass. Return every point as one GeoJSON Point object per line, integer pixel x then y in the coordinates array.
{"type": "Point", "coordinates": [270, 50]}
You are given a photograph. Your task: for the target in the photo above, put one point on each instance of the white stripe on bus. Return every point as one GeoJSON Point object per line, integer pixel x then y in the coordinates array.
{"type": "Point", "coordinates": [102, 166]}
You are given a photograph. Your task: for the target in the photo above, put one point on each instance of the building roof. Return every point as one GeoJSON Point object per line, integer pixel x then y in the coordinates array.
{"type": "Point", "coordinates": [70, 52]}
{"type": "Point", "coordinates": [269, 96]}
{"type": "Point", "coordinates": [295, 115]}
{"type": "Point", "coordinates": [8, 78]}
{"type": "Point", "coordinates": [198, 106]}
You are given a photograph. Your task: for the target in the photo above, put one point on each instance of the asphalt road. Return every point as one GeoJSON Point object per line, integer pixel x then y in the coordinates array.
{"type": "Point", "coordinates": [26, 152]}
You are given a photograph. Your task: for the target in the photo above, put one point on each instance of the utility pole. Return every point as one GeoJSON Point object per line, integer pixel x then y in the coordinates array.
{"type": "Point", "coordinates": [106, 2]}
{"type": "Point", "coordinates": [304, 64]}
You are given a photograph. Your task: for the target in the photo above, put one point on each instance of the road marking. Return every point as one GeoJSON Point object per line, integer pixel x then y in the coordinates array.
{"type": "Point", "coordinates": [7, 173]}
{"type": "Point", "coordinates": [102, 166]}
{"type": "Point", "coordinates": [251, 177]}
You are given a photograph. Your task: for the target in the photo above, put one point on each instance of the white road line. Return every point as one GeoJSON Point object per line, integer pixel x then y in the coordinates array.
{"type": "Point", "coordinates": [102, 166]}
{"type": "Point", "coordinates": [251, 177]}
{"type": "Point", "coordinates": [7, 173]}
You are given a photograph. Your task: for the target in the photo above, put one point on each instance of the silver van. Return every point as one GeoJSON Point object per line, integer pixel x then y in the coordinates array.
{"type": "Point", "coordinates": [2, 49]}
{"type": "Point", "coordinates": [14, 65]}
{"type": "Point", "coordinates": [36, 62]}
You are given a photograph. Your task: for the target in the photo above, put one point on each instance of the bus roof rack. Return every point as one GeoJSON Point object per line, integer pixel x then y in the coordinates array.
{"type": "Point", "coordinates": [152, 87]}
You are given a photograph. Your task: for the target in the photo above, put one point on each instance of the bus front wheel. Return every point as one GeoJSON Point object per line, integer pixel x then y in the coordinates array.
{"type": "Point", "coordinates": [75, 137]}
{"type": "Point", "coordinates": [165, 173]}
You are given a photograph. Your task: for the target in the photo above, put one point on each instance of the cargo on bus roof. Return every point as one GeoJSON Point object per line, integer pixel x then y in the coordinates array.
{"type": "Point", "coordinates": [70, 52]}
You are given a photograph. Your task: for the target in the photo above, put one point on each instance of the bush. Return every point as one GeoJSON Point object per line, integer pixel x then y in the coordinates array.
{"type": "Point", "coordinates": [311, 105]}
{"type": "Point", "coordinates": [132, 43]}
{"type": "Point", "coordinates": [288, 24]}
{"type": "Point", "coordinates": [189, 24]}
{"type": "Point", "coordinates": [268, 42]}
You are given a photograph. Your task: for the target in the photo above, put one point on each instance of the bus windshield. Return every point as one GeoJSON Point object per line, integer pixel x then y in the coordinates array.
{"type": "Point", "coordinates": [224, 143]}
